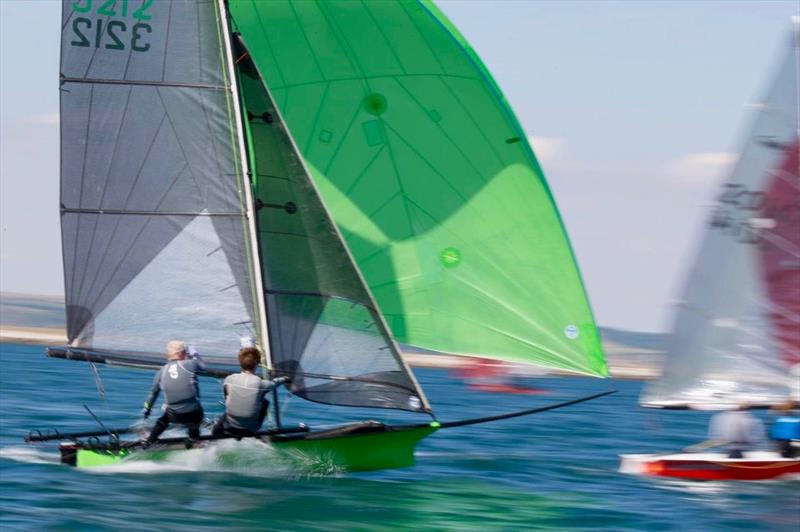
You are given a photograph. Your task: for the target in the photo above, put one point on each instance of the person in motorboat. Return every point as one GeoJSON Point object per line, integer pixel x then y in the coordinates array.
{"type": "Point", "coordinates": [738, 430]}
{"type": "Point", "coordinates": [785, 430]}
{"type": "Point", "coordinates": [178, 380]}
{"type": "Point", "coordinates": [245, 393]}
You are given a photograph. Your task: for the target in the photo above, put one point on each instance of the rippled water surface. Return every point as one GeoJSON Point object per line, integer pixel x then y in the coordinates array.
{"type": "Point", "coordinates": [555, 470]}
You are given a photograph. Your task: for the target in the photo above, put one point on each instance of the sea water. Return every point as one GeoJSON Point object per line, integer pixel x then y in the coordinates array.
{"type": "Point", "coordinates": [551, 471]}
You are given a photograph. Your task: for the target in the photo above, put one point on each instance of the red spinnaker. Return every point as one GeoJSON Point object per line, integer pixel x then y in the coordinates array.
{"type": "Point", "coordinates": [780, 253]}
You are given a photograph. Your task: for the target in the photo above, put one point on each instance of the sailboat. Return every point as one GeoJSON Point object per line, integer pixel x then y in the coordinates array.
{"type": "Point", "coordinates": [329, 178]}
{"type": "Point", "coordinates": [736, 339]}
{"type": "Point", "coordinates": [487, 375]}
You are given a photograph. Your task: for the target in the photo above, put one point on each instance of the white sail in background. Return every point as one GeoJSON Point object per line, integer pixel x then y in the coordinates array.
{"type": "Point", "coordinates": [737, 331]}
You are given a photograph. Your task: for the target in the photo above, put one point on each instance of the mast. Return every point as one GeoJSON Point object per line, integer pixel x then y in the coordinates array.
{"type": "Point", "coordinates": [248, 190]}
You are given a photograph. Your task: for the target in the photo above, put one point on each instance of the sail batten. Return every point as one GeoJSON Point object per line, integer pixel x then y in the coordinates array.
{"type": "Point", "coordinates": [68, 210]}
{"type": "Point", "coordinates": [127, 83]}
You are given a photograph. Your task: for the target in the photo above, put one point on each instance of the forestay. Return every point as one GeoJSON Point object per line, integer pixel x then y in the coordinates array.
{"type": "Point", "coordinates": [737, 331]}
{"type": "Point", "coordinates": [429, 177]}
{"type": "Point", "coordinates": [153, 211]}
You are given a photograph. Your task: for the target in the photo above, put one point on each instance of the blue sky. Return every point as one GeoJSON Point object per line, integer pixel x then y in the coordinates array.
{"type": "Point", "coordinates": [636, 110]}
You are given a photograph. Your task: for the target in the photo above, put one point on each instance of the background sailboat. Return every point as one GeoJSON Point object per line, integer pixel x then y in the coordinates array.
{"type": "Point", "coordinates": [736, 339]}
{"type": "Point", "coordinates": [487, 375]}
{"type": "Point", "coordinates": [737, 331]}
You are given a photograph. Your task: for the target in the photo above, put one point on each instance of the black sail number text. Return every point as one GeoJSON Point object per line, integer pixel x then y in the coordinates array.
{"type": "Point", "coordinates": [113, 35]}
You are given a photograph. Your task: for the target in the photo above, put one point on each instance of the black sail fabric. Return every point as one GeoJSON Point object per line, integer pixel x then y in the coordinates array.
{"type": "Point", "coordinates": [324, 329]}
{"type": "Point", "coordinates": [154, 220]}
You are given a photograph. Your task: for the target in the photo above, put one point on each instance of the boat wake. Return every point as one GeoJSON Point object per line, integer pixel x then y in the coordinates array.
{"type": "Point", "coordinates": [247, 457]}
{"type": "Point", "coordinates": [29, 455]}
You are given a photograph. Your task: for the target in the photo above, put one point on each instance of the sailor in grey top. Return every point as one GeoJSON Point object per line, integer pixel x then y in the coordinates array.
{"type": "Point", "coordinates": [245, 397]}
{"type": "Point", "coordinates": [178, 380]}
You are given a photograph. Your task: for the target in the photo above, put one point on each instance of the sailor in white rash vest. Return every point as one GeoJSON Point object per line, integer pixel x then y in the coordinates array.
{"type": "Point", "coordinates": [245, 397]}
{"type": "Point", "coordinates": [178, 380]}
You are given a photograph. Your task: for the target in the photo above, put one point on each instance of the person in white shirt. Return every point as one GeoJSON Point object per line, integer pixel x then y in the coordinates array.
{"type": "Point", "coordinates": [738, 429]}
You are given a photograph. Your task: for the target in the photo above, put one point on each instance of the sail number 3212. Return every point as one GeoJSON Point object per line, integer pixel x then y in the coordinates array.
{"type": "Point", "coordinates": [112, 34]}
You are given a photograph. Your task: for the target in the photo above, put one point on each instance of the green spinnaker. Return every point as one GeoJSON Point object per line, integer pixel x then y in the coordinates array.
{"type": "Point", "coordinates": [429, 177]}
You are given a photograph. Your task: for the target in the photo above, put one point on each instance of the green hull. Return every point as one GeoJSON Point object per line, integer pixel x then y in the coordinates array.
{"type": "Point", "coordinates": [329, 451]}
{"type": "Point", "coordinates": [360, 452]}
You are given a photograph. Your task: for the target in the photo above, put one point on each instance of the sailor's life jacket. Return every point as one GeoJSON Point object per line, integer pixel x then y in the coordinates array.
{"type": "Point", "coordinates": [785, 428]}
{"type": "Point", "coordinates": [178, 380]}
{"type": "Point", "coordinates": [244, 400]}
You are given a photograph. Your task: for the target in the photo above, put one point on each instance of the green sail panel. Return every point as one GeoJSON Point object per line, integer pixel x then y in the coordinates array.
{"type": "Point", "coordinates": [429, 177]}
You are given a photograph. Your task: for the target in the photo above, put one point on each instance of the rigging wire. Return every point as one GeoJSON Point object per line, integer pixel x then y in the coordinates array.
{"type": "Point", "coordinates": [285, 406]}
{"type": "Point", "coordinates": [98, 382]}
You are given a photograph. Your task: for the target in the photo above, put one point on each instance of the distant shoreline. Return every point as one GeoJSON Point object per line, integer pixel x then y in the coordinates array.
{"type": "Point", "coordinates": [32, 335]}
{"type": "Point", "coordinates": [48, 336]}
{"type": "Point", "coordinates": [39, 320]}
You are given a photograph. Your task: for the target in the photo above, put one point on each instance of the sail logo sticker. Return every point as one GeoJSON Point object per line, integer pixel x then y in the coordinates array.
{"type": "Point", "coordinates": [571, 332]}
{"type": "Point", "coordinates": [173, 371]}
{"type": "Point", "coordinates": [414, 402]}
{"type": "Point", "coordinates": [450, 257]}
{"type": "Point", "coordinates": [375, 104]}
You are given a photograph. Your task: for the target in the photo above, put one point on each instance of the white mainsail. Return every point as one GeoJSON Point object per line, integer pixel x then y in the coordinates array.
{"type": "Point", "coordinates": [737, 331]}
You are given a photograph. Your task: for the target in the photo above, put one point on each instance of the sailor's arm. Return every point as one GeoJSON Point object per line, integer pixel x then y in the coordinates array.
{"type": "Point", "coordinates": [194, 354]}
{"type": "Point", "coordinates": [154, 391]}
{"type": "Point", "coordinates": [225, 388]}
{"type": "Point", "coordinates": [269, 385]}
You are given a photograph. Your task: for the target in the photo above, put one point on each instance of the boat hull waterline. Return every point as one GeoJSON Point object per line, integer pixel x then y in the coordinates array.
{"type": "Point", "coordinates": [355, 448]}
{"type": "Point", "coordinates": [757, 465]}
